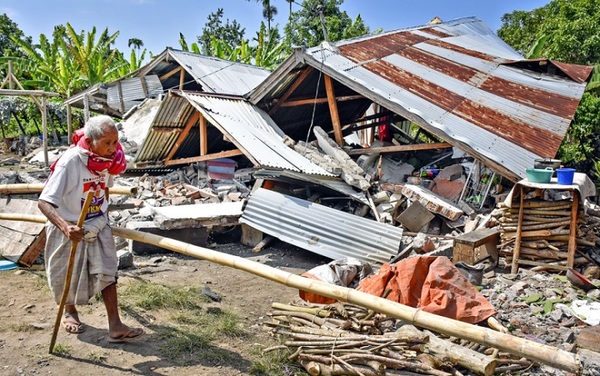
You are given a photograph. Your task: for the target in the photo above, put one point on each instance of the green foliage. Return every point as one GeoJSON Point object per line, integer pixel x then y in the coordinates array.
{"type": "Point", "coordinates": [8, 48]}
{"type": "Point", "coordinates": [520, 29]}
{"type": "Point", "coordinates": [270, 50]}
{"type": "Point", "coordinates": [305, 28]}
{"type": "Point", "coordinates": [567, 31]}
{"type": "Point", "coordinates": [571, 29]}
{"type": "Point", "coordinates": [581, 145]}
{"type": "Point", "coordinates": [232, 34]}
{"type": "Point", "coordinates": [60, 349]}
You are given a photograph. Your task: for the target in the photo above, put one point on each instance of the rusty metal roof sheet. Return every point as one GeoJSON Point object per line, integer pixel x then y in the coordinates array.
{"type": "Point", "coordinates": [321, 229]}
{"type": "Point", "coordinates": [459, 81]}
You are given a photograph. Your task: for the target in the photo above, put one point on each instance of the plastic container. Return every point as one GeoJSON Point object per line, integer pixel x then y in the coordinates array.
{"type": "Point", "coordinates": [546, 162]}
{"type": "Point", "coordinates": [538, 175]}
{"type": "Point", "coordinates": [565, 176]}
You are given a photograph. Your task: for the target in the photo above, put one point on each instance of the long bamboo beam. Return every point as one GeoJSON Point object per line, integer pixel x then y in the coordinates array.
{"type": "Point", "coordinates": [536, 351]}
{"type": "Point", "coordinates": [23, 189]}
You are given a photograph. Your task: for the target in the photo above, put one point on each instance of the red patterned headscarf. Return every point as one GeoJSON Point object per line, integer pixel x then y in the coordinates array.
{"type": "Point", "coordinates": [95, 163]}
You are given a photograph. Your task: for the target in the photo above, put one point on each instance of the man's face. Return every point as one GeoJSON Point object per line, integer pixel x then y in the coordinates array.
{"type": "Point", "coordinates": [106, 145]}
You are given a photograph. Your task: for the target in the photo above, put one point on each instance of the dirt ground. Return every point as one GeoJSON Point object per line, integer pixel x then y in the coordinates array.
{"type": "Point", "coordinates": [27, 315]}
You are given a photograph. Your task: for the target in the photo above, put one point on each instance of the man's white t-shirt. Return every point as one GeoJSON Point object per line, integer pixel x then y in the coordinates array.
{"type": "Point", "coordinates": [68, 184]}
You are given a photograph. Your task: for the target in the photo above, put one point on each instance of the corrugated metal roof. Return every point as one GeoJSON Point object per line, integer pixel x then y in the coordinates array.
{"type": "Point", "coordinates": [249, 128]}
{"type": "Point", "coordinates": [200, 73]}
{"type": "Point", "coordinates": [164, 131]}
{"type": "Point", "coordinates": [218, 75]}
{"type": "Point", "coordinates": [253, 131]}
{"type": "Point", "coordinates": [459, 81]}
{"type": "Point", "coordinates": [320, 229]}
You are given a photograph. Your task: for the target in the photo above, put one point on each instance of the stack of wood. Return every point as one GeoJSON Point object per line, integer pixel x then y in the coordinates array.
{"type": "Point", "coordinates": [544, 233]}
{"type": "Point", "coordinates": [346, 339]}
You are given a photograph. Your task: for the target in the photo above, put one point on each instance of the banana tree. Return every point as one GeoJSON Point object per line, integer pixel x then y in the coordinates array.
{"type": "Point", "coordinates": [269, 51]}
{"type": "Point", "coordinates": [97, 61]}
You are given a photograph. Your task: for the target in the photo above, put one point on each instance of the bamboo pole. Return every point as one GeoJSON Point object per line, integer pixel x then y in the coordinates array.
{"type": "Point", "coordinates": [20, 189]}
{"type": "Point", "coordinates": [542, 353]}
{"type": "Point", "coordinates": [70, 266]}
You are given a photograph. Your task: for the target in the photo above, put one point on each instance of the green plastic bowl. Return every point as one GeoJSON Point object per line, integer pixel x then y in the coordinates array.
{"type": "Point", "coordinates": [538, 175]}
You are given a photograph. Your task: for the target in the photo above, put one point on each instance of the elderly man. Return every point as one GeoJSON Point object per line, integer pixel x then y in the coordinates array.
{"type": "Point", "coordinates": [90, 165]}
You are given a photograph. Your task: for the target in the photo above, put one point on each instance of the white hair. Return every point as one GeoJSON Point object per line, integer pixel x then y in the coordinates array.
{"type": "Point", "coordinates": [97, 126]}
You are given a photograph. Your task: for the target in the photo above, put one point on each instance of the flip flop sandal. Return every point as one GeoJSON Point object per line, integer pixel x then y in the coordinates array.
{"type": "Point", "coordinates": [71, 325]}
{"type": "Point", "coordinates": [130, 336]}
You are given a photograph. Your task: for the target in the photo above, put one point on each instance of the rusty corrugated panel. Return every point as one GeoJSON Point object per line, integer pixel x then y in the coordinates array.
{"type": "Point", "coordinates": [453, 80]}
{"type": "Point", "coordinates": [320, 229]}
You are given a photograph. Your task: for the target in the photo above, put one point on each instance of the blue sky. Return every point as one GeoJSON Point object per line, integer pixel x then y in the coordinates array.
{"type": "Point", "coordinates": [158, 22]}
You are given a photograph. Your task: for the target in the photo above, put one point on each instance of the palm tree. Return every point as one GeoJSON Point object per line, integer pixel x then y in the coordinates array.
{"type": "Point", "coordinates": [269, 12]}
{"type": "Point", "coordinates": [135, 42]}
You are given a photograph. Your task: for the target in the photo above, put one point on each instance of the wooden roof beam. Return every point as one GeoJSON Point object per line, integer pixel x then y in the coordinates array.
{"type": "Point", "coordinates": [400, 148]}
{"type": "Point", "coordinates": [333, 111]}
{"type": "Point", "coordinates": [290, 90]}
{"type": "Point", "coordinates": [207, 157]}
{"type": "Point", "coordinates": [188, 126]}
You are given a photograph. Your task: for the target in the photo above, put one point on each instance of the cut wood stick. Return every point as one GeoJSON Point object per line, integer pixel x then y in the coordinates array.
{"type": "Point", "coordinates": [263, 243]}
{"type": "Point", "coordinates": [538, 226]}
{"type": "Point", "coordinates": [542, 353]}
{"type": "Point", "coordinates": [545, 204]}
{"type": "Point", "coordinates": [544, 234]}
{"type": "Point", "coordinates": [314, 311]}
{"type": "Point", "coordinates": [69, 272]}
{"type": "Point", "coordinates": [544, 212]}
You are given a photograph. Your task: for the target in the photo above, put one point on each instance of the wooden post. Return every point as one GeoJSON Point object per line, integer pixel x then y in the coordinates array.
{"type": "Point", "coordinates": [333, 110]}
{"type": "Point", "coordinates": [573, 230]}
{"type": "Point", "coordinates": [45, 132]}
{"type": "Point", "coordinates": [86, 108]}
{"type": "Point", "coordinates": [517, 250]}
{"type": "Point", "coordinates": [69, 124]}
{"type": "Point", "coordinates": [203, 136]}
{"type": "Point", "coordinates": [181, 78]}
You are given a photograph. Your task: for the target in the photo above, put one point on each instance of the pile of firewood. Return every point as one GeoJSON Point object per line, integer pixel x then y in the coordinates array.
{"type": "Point", "coordinates": [545, 231]}
{"type": "Point", "coordinates": [345, 339]}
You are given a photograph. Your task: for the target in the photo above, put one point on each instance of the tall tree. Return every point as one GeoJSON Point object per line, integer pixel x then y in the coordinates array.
{"type": "Point", "coordinates": [231, 33]}
{"type": "Point", "coordinates": [568, 31]}
{"type": "Point", "coordinates": [9, 28]}
{"type": "Point", "coordinates": [572, 29]}
{"type": "Point", "coordinates": [9, 49]}
{"type": "Point", "coordinates": [306, 29]}
{"type": "Point", "coordinates": [269, 12]}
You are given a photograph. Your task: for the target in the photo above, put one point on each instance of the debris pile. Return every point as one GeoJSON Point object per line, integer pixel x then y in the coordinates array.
{"type": "Point", "coordinates": [345, 339]}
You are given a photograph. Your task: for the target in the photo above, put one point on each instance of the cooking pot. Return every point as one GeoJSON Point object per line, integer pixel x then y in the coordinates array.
{"type": "Point", "coordinates": [542, 163]}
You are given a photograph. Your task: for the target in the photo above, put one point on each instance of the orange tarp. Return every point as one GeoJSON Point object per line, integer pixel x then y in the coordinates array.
{"type": "Point", "coordinates": [432, 284]}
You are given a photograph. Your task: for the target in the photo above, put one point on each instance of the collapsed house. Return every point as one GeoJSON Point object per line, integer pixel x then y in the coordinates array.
{"type": "Point", "coordinates": [347, 147]}
{"type": "Point", "coordinates": [413, 128]}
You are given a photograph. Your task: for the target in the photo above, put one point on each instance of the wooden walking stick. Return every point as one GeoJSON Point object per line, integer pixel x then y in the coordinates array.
{"type": "Point", "coordinates": [63, 299]}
